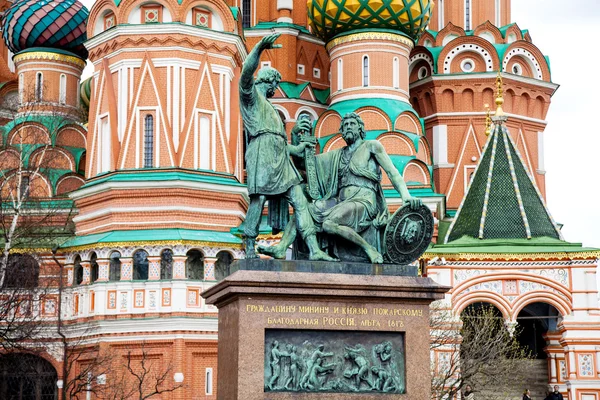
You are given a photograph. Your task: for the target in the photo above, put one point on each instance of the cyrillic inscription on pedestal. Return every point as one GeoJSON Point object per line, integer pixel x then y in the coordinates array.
{"type": "Point", "coordinates": [334, 361]}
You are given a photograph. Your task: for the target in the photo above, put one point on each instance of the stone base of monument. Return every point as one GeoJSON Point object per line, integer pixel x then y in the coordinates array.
{"type": "Point", "coordinates": [299, 335]}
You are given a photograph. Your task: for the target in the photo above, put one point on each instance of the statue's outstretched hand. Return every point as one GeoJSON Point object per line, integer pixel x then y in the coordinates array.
{"type": "Point", "coordinates": [268, 41]}
{"type": "Point", "coordinates": [303, 125]}
{"type": "Point", "coordinates": [413, 202]}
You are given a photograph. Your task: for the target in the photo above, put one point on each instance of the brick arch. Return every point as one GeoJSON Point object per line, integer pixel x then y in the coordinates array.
{"type": "Point", "coordinates": [538, 108]}
{"type": "Point", "coordinates": [328, 124]}
{"type": "Point", "coordinates": [37, 134]}
{"type": "Point", "coordinates": [407, 122]}
{"type": "Point", "coordinates": [9, 159]}
{"type": "Point", "coordinates": [487, 26]}
{"type": "Point", "coordinates": [481, 296]}
{"type": "Point", "coordinates": [530, 53]}
{"type": "Point", "coordinates": [448, 29]}
{"type": "Point", "coordinates": [473, 44]}
{"type": "Point", "coordinates": [68, 183]}
{"type": "Point", "coordinates": [374, 119]}
{"type": "Point", "coordinates": [417, 171]}
{"type": "Point", "coordinates": [71, 136]}
{"type": "Point", "coordinates": [515, 30]}
{"type": "Point", "coordinates": [509, 96]}
{"type": "Point", "coordinates": [218, 7]}
{"type": "Point", "coordinates": [97, 11]}
{"type": "Point", "coordinates": [553, 299]}
{"type": "Point", "coordinates": [467, 98]}
{"type": "Point", "coordinates": [397, 143]}
{"type": "Point", "coordinates": [39, 185]}
{"type": "Point", "coordinates": [420, 56]}
{"type": "Point", "coordinates": [424, 37]}
{"type": "Point", "coordinates": [53, 157]}
{"type": "Point", "coordinates": [448, 97]}
{"type": "Point", "coordinates": [424, 152]}
{"type": "Point", "coordinates": [336, 142]}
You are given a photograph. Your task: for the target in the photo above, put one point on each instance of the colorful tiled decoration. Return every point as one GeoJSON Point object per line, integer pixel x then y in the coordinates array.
{"type": "Point", "coordinates": [59, 24]}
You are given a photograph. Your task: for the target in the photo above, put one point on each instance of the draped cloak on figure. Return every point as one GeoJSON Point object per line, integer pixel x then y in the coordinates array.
{"type": "Point", "coordinates": [361, 207]}
{"type": "Point", "coordinates": [268, 165]}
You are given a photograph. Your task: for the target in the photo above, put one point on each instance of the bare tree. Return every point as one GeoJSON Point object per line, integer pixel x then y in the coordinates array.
{"type": "Point", "coordinates": [144, 375]}
{"type": "Point", "coordinates": [476, 349]}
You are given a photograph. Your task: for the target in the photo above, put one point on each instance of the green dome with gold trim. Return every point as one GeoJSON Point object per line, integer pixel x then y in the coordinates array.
{"type": "Point", "coordinates": [329, 18]}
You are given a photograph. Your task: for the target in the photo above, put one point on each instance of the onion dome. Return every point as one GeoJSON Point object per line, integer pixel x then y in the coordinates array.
{"type": "Point", "coordinates": [59, 24]}
{"type": "Point", "coordinates": [86, 92]}
{"type": "Point", "coordinates": [329, 18]}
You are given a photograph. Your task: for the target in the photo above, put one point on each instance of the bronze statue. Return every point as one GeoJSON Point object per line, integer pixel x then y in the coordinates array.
{"type": "Point", "coordinates": [352, 200]}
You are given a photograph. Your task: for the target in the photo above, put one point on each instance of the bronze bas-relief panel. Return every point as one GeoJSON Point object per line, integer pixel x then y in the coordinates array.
{"type": "Point", "coordinates": [308, 361]}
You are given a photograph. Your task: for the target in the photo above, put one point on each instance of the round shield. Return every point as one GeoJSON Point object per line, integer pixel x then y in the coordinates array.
{"type": "Point", "coordinates": [407, 235]}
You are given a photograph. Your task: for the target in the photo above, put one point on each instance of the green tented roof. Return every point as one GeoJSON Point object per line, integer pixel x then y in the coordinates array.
{"type": "Point", "coordinates": [502, 201]}
{"type": "Point", "coordinates": [162, 174]}
{"type": "Point", "coordinates": [153, 235]}
{"type": "Point", "coordinates": [294, 90]}
{"type": "Point", "coordinates": [235, 11]}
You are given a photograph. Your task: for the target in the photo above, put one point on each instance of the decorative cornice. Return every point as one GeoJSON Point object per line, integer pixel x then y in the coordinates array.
{"type": "Point", "coordinates": [94, 246]}
{"type": "Point", "coordinates": [583, 255]}
{"type": "Point", "coordinates": [373, 35]}
{"type": "Point", "coordinates": [48, 55]}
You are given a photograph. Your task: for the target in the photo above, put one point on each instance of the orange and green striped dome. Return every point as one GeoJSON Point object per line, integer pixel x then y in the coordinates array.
{"type": "Point", "coordinates": [329, 18]}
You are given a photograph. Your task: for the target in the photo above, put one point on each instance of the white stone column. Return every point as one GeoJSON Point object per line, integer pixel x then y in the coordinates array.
{"type": "Point", "coordinates": [553, 376]}
{"type": "Point", "coordinates": [572, 363]}
{"type": "Point", "coordinates": [598, 361]}
{"type": "Point", "coordinates": [285, 8]}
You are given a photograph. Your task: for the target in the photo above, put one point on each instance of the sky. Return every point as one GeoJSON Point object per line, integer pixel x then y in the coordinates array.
{"type": "Point", "coordinates": [566, 32]}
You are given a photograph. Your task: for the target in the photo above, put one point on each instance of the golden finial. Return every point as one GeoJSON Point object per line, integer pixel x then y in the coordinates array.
{"type": "Point", "coordinates": [488, 120]}
{"type": "Point", "coordinates": [499, 96]}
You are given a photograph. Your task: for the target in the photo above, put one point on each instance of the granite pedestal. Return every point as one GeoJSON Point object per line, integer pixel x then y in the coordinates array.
{"type": "Point", "coordinates": [260, 307]}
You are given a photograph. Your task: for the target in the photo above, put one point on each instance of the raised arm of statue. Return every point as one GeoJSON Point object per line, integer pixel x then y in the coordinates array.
{"type": "Point", "coordinates": [253, 59]}
{"type": "Point", "coordinates": [390, 169]}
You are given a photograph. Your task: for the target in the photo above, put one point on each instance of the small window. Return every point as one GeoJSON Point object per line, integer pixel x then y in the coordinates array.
{"type": "Point", "coordinates": [39, 86]}
{"type": "Point", "coordinates": [222, 265]}
{"type": "Point", "coordinates": [94, 267]}
{"type": "Point", "coordinates": [62, 98]}
{"type": "Point", "coordinates": [467, 65]}
{"type": "Point", "coordinates": [166, 264]}
{"type": "Point", "coordinates": [194, 265]}
{"type": "Point", "coordinates": [246, 13]}
{"type": "Point", "coordinates": [300, 69]}
{"type": "Point", "coordinates": [265, 64]}
{"type": "Point", "coordinates": [151, 14]}
{"type": "Point", "coordinates": [467, 15]}
{"type": "Point", "coordinates": [21, 88]}
{"type": "Point", "coordinates": [340, 74]}
{"type": "Point", "coordinates": [202, 18]}
{"type": "Point", "coordinates": [114, 273]}
{"type": "Point", "coordinates": [422, 73]}
{"type": "Point", "coordinates": [365, 71]}
{"type": "Point", "coordinates": [396, 73]}
{"type": "Point", "coordinates": [22, 271]}
{"type": "Point", "coordinates": [24, 187]}
{"type": "Point", "coordinates": [517, 69]}
{"type": "Point", "coordinates": [140, 265]}
{"type": "Point", "coordinates": [109, 21]}
{"type": "Point", "coordinates": [77, 271]}
{"type": "Point", "coordinates": [317, 73]}
{"type": "Point", "coordinates": [149, 141]}
{"type": "Point", "coordinates": [209, 383]}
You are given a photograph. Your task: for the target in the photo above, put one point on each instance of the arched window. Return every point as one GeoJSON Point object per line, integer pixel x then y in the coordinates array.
{"type": "Point", "coordinates": [77, 271]}
{"type": "Point", "coordinates": [148, 141]}
{"type": "Point", "coordinates": [39, 86]}
{"type": "Point", "coordinates": [365, 71]}
{"type": "Point", "coordinates": [224, 260]}
{"type": "Point", "coordinates": [114, 269]}
{"type": "Point", "coordinates": [62, 97]}
{"type": "Point", "coordinates": [340, 74]}
{"type": "Point", "coordinates": [498, 11]}
{"type": "Point", "coordinates": [246, 13]}
{"type": "Point", "coordinates": [166, 264]}
{"type": "Point", "coordinates": [93, 267]}
{"type": "Point", "coordinates": [22, 271]}
{"type": "Point", "coordinates": [440, 7]}
{"type": "Point", "coordinates": [25, 376]}
{"type": "Point", "coordinates": [24, 187]}
{"type": "Point", "coordinates": [396, 73]}
{"type": "Point", "coordinates": [194, 264]}
{"type": "Point", "coordinates": [140, 265]}
{"type": "Point", "coordinates": [468, 10]}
